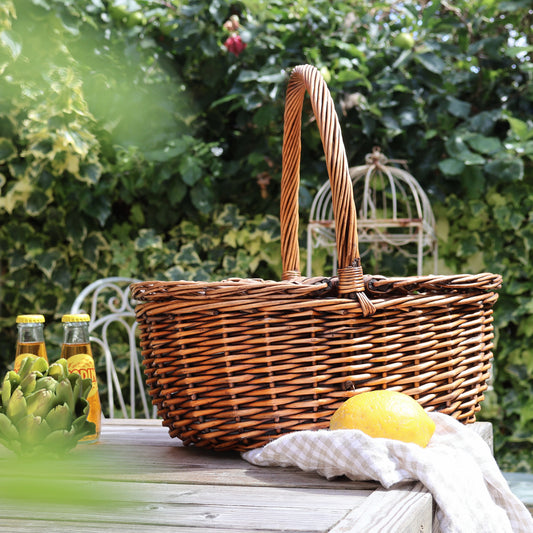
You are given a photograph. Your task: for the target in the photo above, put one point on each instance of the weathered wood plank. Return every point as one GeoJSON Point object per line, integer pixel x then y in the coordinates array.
{"type": "Point", "coordinates": [10, 525]}
{"type": "Point", "coordinates": [404, 509]}
{"type": "Point", "coordinates": [224, 477]}
{"type": "Point", "coordinates": [183, 465]}
{"type": "Point", "coordinates": [100, 492]}
{"type": "Point", "coordinates": [267, 497]}
{"type": "Point", "coordinates": [225, 517]}
{"type": "Point", "coordinates": [148, 481]}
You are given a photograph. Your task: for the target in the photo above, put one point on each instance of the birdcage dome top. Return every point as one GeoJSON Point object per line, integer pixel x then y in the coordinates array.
{"type": "Point", "coordinates": [392, 208]}
{"type": "Point", "coordinates": [382, 191]}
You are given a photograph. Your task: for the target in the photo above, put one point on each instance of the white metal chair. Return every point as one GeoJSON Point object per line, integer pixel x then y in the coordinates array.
{"type": "Point", "coordinates": [109, 304]}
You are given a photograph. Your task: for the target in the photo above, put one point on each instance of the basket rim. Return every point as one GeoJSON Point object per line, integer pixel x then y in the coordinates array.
{"type": "Point", "coordinates": [376, 286]}
{"type": "Point", "coordinates": [230, 287]}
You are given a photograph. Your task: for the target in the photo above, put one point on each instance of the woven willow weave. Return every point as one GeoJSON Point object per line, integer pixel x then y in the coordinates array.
{"type": "Point", "coordinates": [236, 363]}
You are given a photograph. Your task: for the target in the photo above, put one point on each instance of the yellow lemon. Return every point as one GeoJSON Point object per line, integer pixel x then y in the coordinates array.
{"type": "Point", "coordinates": [384, 413]}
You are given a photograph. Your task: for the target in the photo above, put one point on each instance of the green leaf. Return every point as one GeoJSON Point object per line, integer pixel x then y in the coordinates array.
{"type": "Point", "coordinates": [514, 6]}
{"type": "Point", "coordinates": [76, 229]}
{"type": "Point", "coordinates": [507, 217]}
{"type": "Point", "coordinates": [189, 229]}
{"type": "Point", "coordinates": [207, 242]}
{"type": "Point", "coordinates": [369, 124]}
{"type": "Point", "coordinates": [227, 98]}
{"type": "Point", "coordinates": [202, 198]}
{"type": "Point", "coordinates": [506, 169]}
{"type": "Point", "coordinates": [402, 58]}
{"type": "Point", "coordinates": [458, 108]}
{"type": "Point", "coordinates": [230, 238]}
{"type": "Point", "coordinates": [346, 76]}
{"type": "Point", "coordinates": [526, 414]}
{"type": "Point", "coordinates": [229, 217]}
{"type": "Point", "coordinates": [191, 170]}
{"type": "Point", "coordinates": [176, 273]}
{"type": "Point", "coordinates": [471, 158]}
{"type": "Point", "coordinates": [7, 150]}
{"type": "Point", "coordinates": [484, 121]}
{"type": "Point", "coordinates": [172, 150]}
{"type": "Point", "coordinates": [188, 255]}
{"type": "Point", "coordinates": [277, 77]}
{"type": "Point", "coordinates": [474, 182]}
{"type": "Point", "coordinates": [90, 172]}
{"type": "Point", "coordinates": [408, 117]}
{"type": "Point", "coordinates": [429, 11]}
{"type": "Point", "coordinates": [229, 263]}
{"type": "Point", "coordinates": [431, 62]}
{"type": "Point", "coordinates": [92, 246]}
{"type": "Point", "coordinates": [148, 238]}
{"type": "Point", "coordinates": [61, 276]}
{"type": "Point", "coordinates": [46, 261]}
{"type": "Point", "coordinates": [457, 148]}
{"type": "Point", "coordinates": [270, 227]}
{"type": "Point", "coordinates": [247, 75]}
{"type": "Point", "coordinates": [515, 51]}
{"type": "Point", "coordinates": [176, 191]}
{"type": "Point", "coordinates": [521, 148]}
{"type": "Point", "coordinates": [37, 202]}
{"type": "Point", "coordinates": [99, 207]}
{"type": "Point", "coordinates": [468, 246]}
{"type": "Point", "coordinates": [137, 215]}
{"type": "Point", "coordinates": [485, 145]}
{"type": "Point", "coordinates": [520, 128]}
{"type": "Point", "coordinates": [451, 167]}
{"type": "Point", "coordinates": [351, 49]}
{"type": "Point", "coordinates": [390, 121]}
{"type": "Point", "coordinates": [12, 42]}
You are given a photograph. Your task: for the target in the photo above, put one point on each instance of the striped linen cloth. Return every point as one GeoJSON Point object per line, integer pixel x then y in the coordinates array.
{"type": "Point", "coordinates": [457, 468]}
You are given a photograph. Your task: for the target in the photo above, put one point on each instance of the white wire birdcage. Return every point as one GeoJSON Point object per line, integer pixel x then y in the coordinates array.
{"type": "Point", "coordinates": [394, 214]}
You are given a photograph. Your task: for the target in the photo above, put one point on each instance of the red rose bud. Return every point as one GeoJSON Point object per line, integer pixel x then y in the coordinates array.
{"type": "Point", "coordinates": [234, 44]}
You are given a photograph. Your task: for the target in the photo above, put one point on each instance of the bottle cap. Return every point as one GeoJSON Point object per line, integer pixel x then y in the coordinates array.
{"type": "Point", "coordinates": [30, 319]}
{"type": "Point", "coordinates": [83, 317]}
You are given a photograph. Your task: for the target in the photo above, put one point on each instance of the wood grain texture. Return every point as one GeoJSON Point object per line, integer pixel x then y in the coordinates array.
{"type": "Point", "coordinates": [141, 479]}
{"type": "Point", "coordinates": [405, 509]}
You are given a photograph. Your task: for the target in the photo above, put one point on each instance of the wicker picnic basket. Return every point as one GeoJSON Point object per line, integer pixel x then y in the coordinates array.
{"type": "Point", "coordinates": [236, 363]}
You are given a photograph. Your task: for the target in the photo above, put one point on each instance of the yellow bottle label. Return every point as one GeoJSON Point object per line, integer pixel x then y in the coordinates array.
{"type": "Point", "coordinates": [83, 364]}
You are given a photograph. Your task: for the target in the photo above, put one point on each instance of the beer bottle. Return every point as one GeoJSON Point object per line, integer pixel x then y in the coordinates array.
{"type": "Point", "coordinates": [30, 338]}
{"type": "Point", "coordinates": [76, 349]}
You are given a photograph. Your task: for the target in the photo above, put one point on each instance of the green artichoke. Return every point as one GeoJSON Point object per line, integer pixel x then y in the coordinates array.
{"type": "Point", "coordinates": [43, 409]}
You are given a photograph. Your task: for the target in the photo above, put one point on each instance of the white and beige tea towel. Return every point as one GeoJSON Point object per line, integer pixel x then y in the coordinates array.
{"type": "Point", "coordinates": [457, 467]}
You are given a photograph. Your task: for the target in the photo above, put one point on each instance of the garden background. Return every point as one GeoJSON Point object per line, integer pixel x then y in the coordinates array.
{"type": "Point", "coordinates": [133, 142]}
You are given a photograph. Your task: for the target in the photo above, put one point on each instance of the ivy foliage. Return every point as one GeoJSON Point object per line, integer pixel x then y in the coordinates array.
{"type": "Point", "coordinates": [134, 143]}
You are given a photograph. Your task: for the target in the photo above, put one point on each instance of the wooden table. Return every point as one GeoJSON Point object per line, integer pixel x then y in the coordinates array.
{"type": "Point", "coordinates": [139, 479]}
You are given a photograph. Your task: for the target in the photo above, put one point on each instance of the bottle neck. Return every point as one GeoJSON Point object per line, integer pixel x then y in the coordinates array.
{"type": "Point", "coordinates": [30, 333]}
{"type": "Point", "coordinates": [75, 333]}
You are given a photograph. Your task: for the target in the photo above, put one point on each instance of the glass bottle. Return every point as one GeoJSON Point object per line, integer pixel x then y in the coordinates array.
{"type": "Point", "coordinates": [76, 349]}
{"type": "Point", "coordinates": [30, 338]}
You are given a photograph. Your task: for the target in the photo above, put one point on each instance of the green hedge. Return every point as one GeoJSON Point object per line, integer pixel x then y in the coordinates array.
{"type": "Point", "coordinates": [134, 142]}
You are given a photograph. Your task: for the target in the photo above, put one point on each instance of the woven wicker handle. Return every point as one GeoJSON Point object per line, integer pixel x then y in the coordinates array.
{"type": "Point", "coordinates": [307, 78]}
